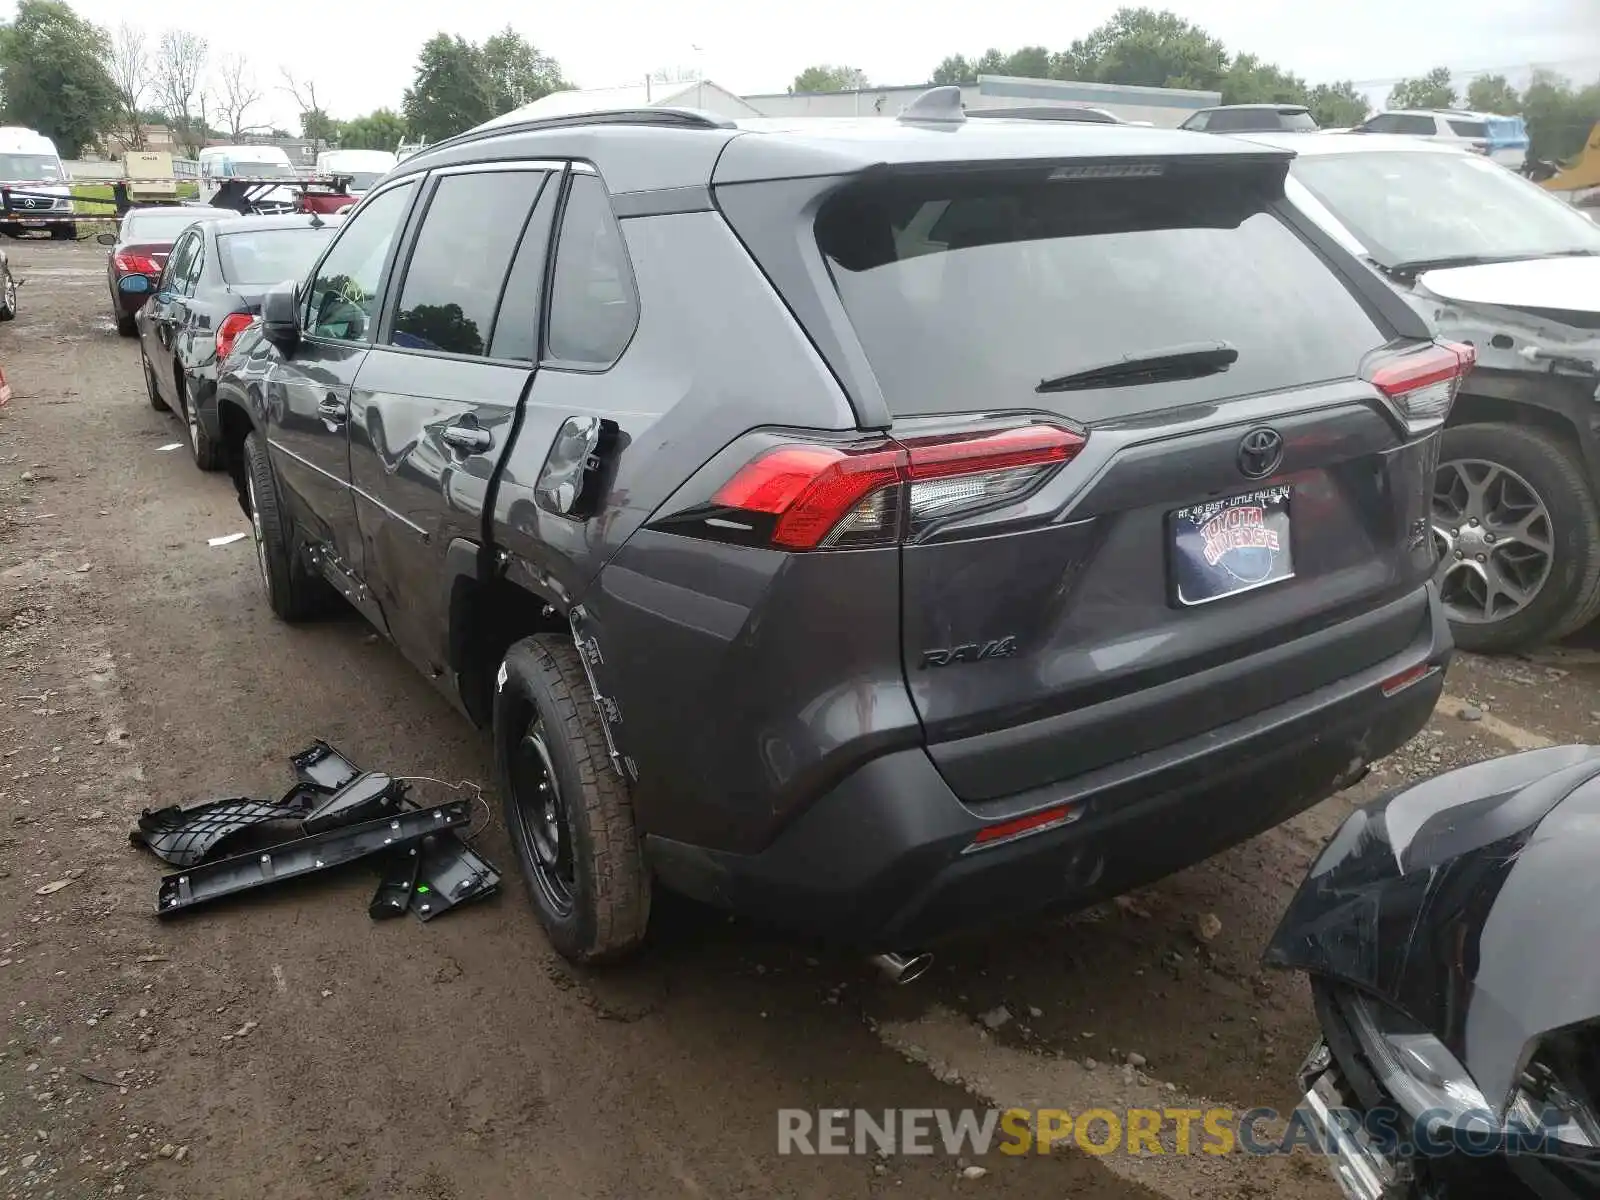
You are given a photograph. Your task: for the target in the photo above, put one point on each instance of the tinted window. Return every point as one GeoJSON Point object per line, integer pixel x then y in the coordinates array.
{"type": "Point", "coordinates": [593, 307]}
{"type": "Point", "coordinates": [460, 260]}
{"type": "Point", "coordinates": [966, 295]}
{"type": "Point", "coordinates": [192, 268]}
{"type": "Point", "coordinates": [344, 295]}
{"type": "Point", "coordinates": [1200, 121]}
{"type": "Point", "coordinates": [1237, 119]}
{"type": "Point", "coordinates": [161, 226]}
{"type": "Point", "coordinates": [516, 327]}
{"type": "Point", "coordinates": [1420, 206]}
{"type": "Point", "coordinates": [1469, 129]}
{"type": "Point", "coordinates": [30, 168]}
{"type": "Point", "coordinates": [1400, 123]}
{"type": "Point", "coordinates": [178, 264]}
{"type": "Point", "coordinates": [269, 255]}
{"type": "Point", "coordinates": [1296, 120]}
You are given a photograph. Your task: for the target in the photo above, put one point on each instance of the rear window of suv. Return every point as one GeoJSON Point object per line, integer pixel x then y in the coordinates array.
{"type": "Point", "coordinates": [967, 293]}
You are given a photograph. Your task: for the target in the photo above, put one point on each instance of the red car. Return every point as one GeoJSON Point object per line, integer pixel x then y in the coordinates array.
{"type": "Point", "coordinates": [139, 250]}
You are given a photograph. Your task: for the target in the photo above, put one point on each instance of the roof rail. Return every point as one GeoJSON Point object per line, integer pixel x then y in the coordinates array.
{"type": "Point", "coordinates": [678, 118]}
{"type": "Point", "coordinates": [937, 105]}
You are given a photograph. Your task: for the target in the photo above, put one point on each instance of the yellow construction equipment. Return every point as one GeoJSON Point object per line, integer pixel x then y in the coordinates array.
{"type": "Point", "coordinates": [1584, 173]}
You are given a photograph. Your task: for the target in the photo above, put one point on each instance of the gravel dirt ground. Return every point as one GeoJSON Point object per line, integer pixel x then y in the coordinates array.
{"type": "Point", "coordinates": [289, 1047]}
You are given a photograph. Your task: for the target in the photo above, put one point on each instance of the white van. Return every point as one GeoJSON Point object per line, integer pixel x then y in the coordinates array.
{"type": "Point", "coordinates": [364, 167]}
{"type": "Point", "coordinates": [219, 163]}
{"type": "Point", "coordinates": [32, 170]}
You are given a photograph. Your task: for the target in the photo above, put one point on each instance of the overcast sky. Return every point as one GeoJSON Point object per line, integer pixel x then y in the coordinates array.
{"type": "Point", "coordinates": [362, 53]}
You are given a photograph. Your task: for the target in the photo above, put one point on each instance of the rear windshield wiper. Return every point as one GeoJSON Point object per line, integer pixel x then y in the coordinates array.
{"type": "Point", "coordinates": [1193, 361]}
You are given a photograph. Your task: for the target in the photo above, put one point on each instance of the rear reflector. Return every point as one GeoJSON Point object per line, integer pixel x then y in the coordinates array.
{"type": "Point", "coordinates": [1422, 384]}
{"type": "Point", "coordinates": [228, 332]}
{"type": "Point", "coordinates": [1038, 822]}
{"type": "Point", "coordinates": [1400, 682]}
{"type": "Point", "coordinates": [841, 497]}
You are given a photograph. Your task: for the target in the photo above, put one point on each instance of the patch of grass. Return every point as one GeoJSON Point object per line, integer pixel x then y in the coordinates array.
{"type": "Point", "coordinates": [94, 199]}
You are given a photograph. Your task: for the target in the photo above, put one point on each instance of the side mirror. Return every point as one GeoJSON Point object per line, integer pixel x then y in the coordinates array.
{"type": "Point", "coordinates": [107, 238]}
{"type": "Point", "coordinates": [280, 316]}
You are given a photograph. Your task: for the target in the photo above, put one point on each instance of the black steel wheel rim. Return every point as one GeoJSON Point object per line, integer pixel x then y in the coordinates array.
{"type": "Point", "coordinates": [543, 827]}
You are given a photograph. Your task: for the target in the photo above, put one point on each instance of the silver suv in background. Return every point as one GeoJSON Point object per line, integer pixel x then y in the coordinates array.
{"type": "Point", "coordinates": [1502, 139]}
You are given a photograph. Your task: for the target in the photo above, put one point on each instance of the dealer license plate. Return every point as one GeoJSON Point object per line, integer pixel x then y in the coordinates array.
{"type": "Point", "coordinates": [1225, 547]}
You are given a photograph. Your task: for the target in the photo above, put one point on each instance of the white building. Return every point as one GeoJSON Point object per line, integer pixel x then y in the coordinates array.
{"type": "Point", "coordinates": [701, 94]}
{"type": "Point", "coordinates": [1165, 107]}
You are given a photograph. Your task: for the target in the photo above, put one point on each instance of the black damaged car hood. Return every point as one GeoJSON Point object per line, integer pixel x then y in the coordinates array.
{"type": "Point", "coordinates": [1469, 902]}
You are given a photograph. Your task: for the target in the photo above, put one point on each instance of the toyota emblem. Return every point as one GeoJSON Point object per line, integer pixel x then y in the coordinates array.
{"type": "Point", "coordinates": [1260, 453]}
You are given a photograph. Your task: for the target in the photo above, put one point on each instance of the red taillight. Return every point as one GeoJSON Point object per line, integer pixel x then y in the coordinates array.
{"type": "Point", "coordinates": [827, 497]}
{"type": "Point", "coordinates": [1422, 384]}
{"type": "Point", "coordinates": [232, 326]}
{"type": "Point", "coordinates": [127, 263]}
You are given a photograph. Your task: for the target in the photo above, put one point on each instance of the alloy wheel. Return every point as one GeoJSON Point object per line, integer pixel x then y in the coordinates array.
{"type": "Point", "coordinates": [540, 819]}
{"type": "Point", "coordinates": [1495, 539]}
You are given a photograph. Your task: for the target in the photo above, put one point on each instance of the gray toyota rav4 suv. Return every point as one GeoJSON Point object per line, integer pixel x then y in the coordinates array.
{"type": "Point", "coordinates": [880, 527]}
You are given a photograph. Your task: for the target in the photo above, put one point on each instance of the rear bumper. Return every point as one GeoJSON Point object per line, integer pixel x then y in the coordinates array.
{"type": "Point", "coordinates": [883, 860]}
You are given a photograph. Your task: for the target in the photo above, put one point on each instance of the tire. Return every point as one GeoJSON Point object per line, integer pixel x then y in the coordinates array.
{"type": "Point", "coordinates": [292, 590]}
{"type": "Point", "coordinates": [543, 701]}
{"type": "Point", "coordinates": [126, 325]}
{"type": "Point", "coordinates": [151, 388]}
{"type": "Point", "coordinates": [8, 296]}
{"type": "Point", "coordinates": [1532, 464]}
{"type": "Point", "coordinates": [64, 233]}
{"type": "Point", "coordinates": [207, 454]}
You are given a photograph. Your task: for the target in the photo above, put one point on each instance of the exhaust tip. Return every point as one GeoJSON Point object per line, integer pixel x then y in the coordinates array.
{"type": "Point", "coordinates": [901, 969]}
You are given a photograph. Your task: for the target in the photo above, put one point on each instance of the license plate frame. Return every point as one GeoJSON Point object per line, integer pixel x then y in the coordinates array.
{"type": "Point", "coordinates": [1213, 555]}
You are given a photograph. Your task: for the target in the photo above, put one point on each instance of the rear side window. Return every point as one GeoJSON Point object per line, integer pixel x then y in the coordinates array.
{"type": "Point", "coordinates": [1469, 129]}
{"type": "Point", "coordinates": [270, 255]}
{"type": "Point", "coordinates": [459, 262]}
{"type": "Point", "coordinates": [1241, 119]}
{"type": "Point", "coordinates": [1406, 123]}
{"type": "Point", "coordinates": [1200, 122]}
{"type": "Point", "coordinates": [966, 295]}
{"type": "Point", "coordinates": [593, 305]}
{"type": "Point", "coordinates": [1296, 120]}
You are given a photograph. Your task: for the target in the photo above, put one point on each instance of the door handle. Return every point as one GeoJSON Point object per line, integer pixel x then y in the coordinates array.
{"type": "Point", "coordinates": [471, 438]}
{"type": "Point", "coordinates": [333, 409]}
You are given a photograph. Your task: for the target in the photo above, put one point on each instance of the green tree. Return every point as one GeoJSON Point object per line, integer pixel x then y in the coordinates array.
{"type": "Point", "coordinates": [381, 129]}
{"type": "Point", "coordinates": [1433, 90]}
{"type": "Point", "coordinates": [1030, 62]}
{"type": "Point", "coordinates": [955, 69]}
{"type": "Point", "coordinates": [1154, 49]}
{"type": "Point", "coordinates": [1559, 117]}
{"type": "Point", "coordinates": [1492, 94]}
{"type": "Point", "coordinates": [1251, 81]}
{"type": "Point", "coordinates": [53, 75]}
{"type": "Point", "coordinates": [1337, 105]}
{"type": "Point", "coordinates": [318, 126]}
{"type": "Point", "coordinates": [451, 90]}
{"type": "Point", "coordinates": [516, 72]}
{"type": "Point", "coordinates": [828, 78]}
